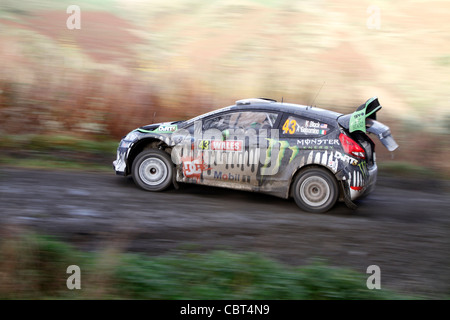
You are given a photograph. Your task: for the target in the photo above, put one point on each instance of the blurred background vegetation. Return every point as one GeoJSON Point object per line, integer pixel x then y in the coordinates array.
{"type": "Point", "coordinates": [68, 96]}
{"type": "Point", "coordinates": [33, 266]}
{"type": "Point", "coordinates": [134, 62]}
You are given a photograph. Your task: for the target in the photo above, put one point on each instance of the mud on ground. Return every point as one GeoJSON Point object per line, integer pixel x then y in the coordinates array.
{"type": "Point", "coordinates": [403, 227]}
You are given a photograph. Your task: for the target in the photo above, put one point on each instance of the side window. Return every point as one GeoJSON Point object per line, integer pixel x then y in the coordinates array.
{"type": "Point", "coordinates": [190, 128]}
{"type": "Point", "coordinates": [299, 126]}
{"type": "Point", "coordinates": [242, 120]}
{"type": "Point", "coordinates": [221, 122]}
{"type": "Point", "coordinates": [255, 120]}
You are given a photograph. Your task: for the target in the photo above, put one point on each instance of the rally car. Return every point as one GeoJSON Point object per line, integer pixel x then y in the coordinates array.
{"type": "Point", "coordinates": [316, 156]}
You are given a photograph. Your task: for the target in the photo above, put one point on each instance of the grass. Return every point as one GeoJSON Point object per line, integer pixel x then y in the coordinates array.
{"type": "Point", "coordinates": [33, 266]}
{"type": "Point", "coordinates": [58, 143]}
{"type": "Point", "coordinates": [410, 170]}
{"type": "Point", "coordinates": [52, 163]}
{"type": "Point", "coordinates": [57, 151]}
{"type": "Point", "coordinates": [70, 152]}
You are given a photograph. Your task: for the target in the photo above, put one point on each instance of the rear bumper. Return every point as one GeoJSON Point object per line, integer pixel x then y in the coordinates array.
{"type": "Point", "coordinates": [362, 182]}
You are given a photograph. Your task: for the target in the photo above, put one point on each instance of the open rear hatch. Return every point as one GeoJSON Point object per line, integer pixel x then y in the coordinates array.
{"type": "Point", "coordinates": [364, 120]}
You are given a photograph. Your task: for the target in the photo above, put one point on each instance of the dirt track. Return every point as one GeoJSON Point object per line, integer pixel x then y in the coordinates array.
{"type": "Point", "coordinates": [403, 227]}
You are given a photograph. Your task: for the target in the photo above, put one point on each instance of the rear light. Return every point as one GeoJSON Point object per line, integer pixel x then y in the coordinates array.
{"type": "Point", "coordinates": [351, 147]}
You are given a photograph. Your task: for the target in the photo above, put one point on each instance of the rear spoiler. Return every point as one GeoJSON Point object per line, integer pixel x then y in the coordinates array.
{"type": "Point", "coordinates": [368, 110]}
{"type": "Point", "coordinates": [364, 119]}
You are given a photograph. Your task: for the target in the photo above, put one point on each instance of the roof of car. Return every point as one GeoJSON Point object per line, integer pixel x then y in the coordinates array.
{"type": "Point", "coordinates": [298, 109]}
{"type": "Point", "coordinates": [273, 105]}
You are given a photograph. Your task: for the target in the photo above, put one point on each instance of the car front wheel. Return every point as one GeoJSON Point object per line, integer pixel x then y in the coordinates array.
{"type": "Point", "coordinates": [315, 190]}
{"type": "Point", "coordinates": [152, 170]}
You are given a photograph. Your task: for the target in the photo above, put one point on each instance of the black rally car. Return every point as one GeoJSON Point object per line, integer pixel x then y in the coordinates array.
{"type": "Point", "coordinates": [288, 150]}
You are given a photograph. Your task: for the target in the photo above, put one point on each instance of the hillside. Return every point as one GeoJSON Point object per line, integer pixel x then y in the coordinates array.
{"type": "Point", "coordinates": [143, 57]}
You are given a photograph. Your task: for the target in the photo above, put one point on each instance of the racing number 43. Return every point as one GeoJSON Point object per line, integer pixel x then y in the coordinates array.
{"type": "Point", "coordinates": [289, 126]}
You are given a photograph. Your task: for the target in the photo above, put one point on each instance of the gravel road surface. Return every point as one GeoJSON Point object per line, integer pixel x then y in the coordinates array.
{"type": "Point", "coordinates": [403, 227]}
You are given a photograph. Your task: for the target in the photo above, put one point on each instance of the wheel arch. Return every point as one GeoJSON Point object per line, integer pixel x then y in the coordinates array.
{"type": "Point", "coordinates": [306, 167]}
{"type": "Point", "coordinates": [143, 144]}
{"type": "Point", "coordinates": [333, 190]}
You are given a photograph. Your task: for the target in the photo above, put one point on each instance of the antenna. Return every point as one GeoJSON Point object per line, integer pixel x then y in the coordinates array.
{"type": "Point", "coordinates": [154, 115]}
{"type": "Point", "coordinates": [317, 94]}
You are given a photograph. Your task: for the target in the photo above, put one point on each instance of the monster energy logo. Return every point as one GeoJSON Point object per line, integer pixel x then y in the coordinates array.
{"type": "Point", "coordinates": [280, 147]}
{"type": "Point", "coordinates": [363, 168]}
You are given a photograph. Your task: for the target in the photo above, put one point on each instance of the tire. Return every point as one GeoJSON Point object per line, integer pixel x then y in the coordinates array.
{"type": "Point", "coordinates": [152, 170]}
{"type": "Point", "coordinates": [315, 190]}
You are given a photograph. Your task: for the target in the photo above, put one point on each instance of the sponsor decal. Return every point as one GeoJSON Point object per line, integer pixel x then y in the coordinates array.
{"type": "Point", "coordinates": [219, 145]}
{"type": "Point", "coordinates": [357, 181]}
{"type": "Point", "coordinates": [333, 164]}
{"type": "Point", "coordinates": [346, 158]}
{"type": "Point", "coordinates": [218, 175]}
{"type": "Point", "coordinates": [317, 148]}
{"type": "Point", "coordinates": [358, 121]}
{"type": "Point", "coordinates": [295, 150]}
{"type": "Point", "coordinates": [193, 168]}
{"type": "Point", "coordinates": [317, 143]}
{"type": "Point", "coordinates": [306, 130]}
{"type": "Point", "coordinates": [322, 156]}
{"type": "Point", "coordinates": [312, 124]}
{"type": "Point", "coordinates": [310, 127]}
{"type": "Point", "coordinates": [363, 168]}
{"type": "Point", "coordinates": [166, 128]}
{"type": "Point", "coordinates": [283, 145]}
{"type": "Point", "coordinates": [367, 110]}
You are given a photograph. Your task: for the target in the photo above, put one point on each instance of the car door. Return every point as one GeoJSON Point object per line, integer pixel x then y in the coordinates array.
{"type": "Point", "coordinates": [202, 148]}
{"type": "Point", "coordinates": [228, 148]}
{"type": "Point", "coordinates": [302, 140]}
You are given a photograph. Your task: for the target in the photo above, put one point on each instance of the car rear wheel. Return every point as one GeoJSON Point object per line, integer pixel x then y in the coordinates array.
{"type": "Point", "coordinates": [315, 190]}
{"type": "Point", "coordinates": [152, 170]}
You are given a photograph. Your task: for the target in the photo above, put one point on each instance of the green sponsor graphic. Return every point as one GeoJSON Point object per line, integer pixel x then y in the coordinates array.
{"type": "Point", "coordinates": [281, 152]}
{"type": "Point", "coordinates": [144, 131]}
{"type": "Point", "coordinates": [161, 129]}
{"type": "Point", "coordinates": [295, 151]}
{"type": "Point", "coordinates": [166, 128]}
{"type": "Point", "coordinates": [358, 121]}
{"type": "Point", "coordinates": [283, 146]}
{"type": "Point", "coordinates": [317, 147]}
{"type": "Point", "coordinates": [268, 155]}
{"type": "Point", "coordinates": [225, 134]}
{"type": "Point", "coordinates": [363, 168]}
{"type": "Point", "coordinates": [358, 118]}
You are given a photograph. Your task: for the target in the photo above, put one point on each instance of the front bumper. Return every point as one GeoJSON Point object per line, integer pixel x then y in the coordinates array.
{"type": "Point", "coordinates": [120, 164]}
